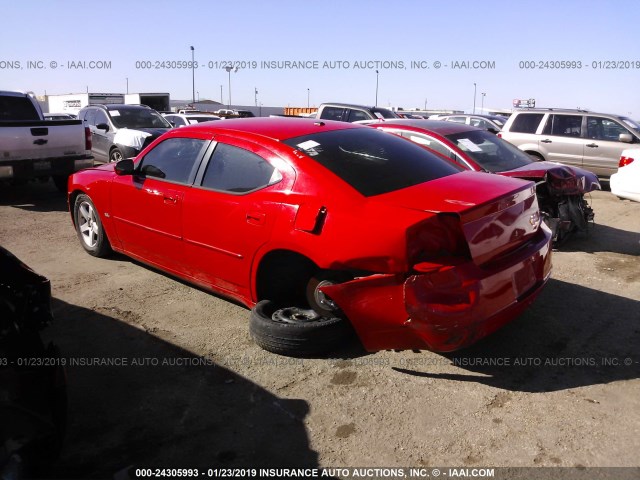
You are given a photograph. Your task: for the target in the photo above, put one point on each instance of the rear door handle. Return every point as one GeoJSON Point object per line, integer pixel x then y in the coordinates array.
{"type": "Point", "coordinates": [40, 141]}
{"type": "Point", "coordinates": [546, 140]}
{"type": "Point", "coordinates": [592, 145]}
{"type": "Point", "coordinates": [170, 200]}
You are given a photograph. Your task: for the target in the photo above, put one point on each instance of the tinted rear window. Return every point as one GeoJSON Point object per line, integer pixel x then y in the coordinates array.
{"type": "Point", "coordinates": [490, 152]}
{"type": "Point", "coordinates": [17, 109]}
{"type": "Point", "coordinates": [371, 161]}
{"type": "Point", "coordinates": [526, 122]}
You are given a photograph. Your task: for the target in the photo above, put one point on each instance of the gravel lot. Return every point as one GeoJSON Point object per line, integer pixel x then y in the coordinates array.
{"type": "Point", "coordinates": [558, 387]}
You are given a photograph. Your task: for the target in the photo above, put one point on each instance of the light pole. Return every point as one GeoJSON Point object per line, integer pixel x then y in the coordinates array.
{"type": "Point", "coordinates": [221, 102]}
{"type": "Point", "coordinates": [198, 94]}
{"type": "Point", "coordinates": [308, 98]}
{"type": "Point", "coordinates": [256, 95]}
{"type": "Point", "coordinates": [474, 97]}
{"type": "Point", "coordinates": [482, 104]}
{"type": "Point", "coordinates": [127, 85]}
{"type": "Point", "coordinates": [376, 88]}
{"type": "Point", "coordinates": [425, 104]}
{"type": "Point", "coordinates": [229, 69]}
{"type": "Point", "coordinates": [193, 75]}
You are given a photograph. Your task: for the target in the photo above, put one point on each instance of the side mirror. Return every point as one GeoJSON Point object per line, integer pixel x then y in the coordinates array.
{"type": "Point", "coordinates": [625, 137]}
{"type": "Point", "coordinates": [125, 167]}
{"type": "Point", "coordinates": [493, 130]}
{"type": "Point", "coordinates": [103, 126]}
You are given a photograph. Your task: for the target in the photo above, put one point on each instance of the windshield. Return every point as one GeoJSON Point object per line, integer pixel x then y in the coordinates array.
{"type": "Point", "coordinates": [384, 113]}
{"type": "Point", "coordinates": [490, 152]}
{"type": "Point", "coordinates": [631, 123]}
{"type": "Point", "coordinates": [371, 161]}
{"type": "Point", "coordinates": [193, 120]}
{"type": "Point", "coordinates": [137, 118]}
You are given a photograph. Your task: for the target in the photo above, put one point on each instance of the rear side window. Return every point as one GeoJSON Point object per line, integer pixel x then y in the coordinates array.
{"type": "Point", "coordinates": [526, 123]}
{"type": "Point", "coordinates": [564, 125]}
{"type": "Point", "coordinates": [90, 116]}
{"type": "Point", "coordinates": [332, 113]}
{"type": "Point", "coordinates": [373, 162]}
{"type": "Point", "coordinates": [233, 169]}
{"type": "Point", "coordinates": [599, 128]}
{"type": "Point", "coordinates": [17, 109]}
{"type": "Point", "coordinates": [174, 160]}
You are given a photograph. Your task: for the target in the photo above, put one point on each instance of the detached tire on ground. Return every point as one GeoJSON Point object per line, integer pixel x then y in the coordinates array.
{"type": "Point", "coordinates": [296, 332]}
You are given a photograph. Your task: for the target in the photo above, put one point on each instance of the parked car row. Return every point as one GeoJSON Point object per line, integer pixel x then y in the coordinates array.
{"type": "Point", "coordinates": [411, 233]}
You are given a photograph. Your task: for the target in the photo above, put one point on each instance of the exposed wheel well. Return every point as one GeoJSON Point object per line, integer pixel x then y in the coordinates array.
{"type": "Point", "coordinates": [537, 156]}
{"type": "Point", "coordinates": [282, 277]}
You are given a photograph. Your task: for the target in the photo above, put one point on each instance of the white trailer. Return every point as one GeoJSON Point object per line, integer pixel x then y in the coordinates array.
{"type": "Point", "coordinates": [73, 102]}
{"type": "Point", "coordinates": [157, 101]}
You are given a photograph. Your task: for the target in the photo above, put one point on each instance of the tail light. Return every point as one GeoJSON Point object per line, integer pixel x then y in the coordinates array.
{"type": "Point", "coordinates": [499, 134]}
{"type": "Point", "coordinates": [624, 161]}
{"type": "Point", "coordinates": [435, 242]}
{"type": "Point", "coordinates": [87, 138]}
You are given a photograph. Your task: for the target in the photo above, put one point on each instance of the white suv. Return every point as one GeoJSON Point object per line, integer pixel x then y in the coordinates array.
{"type": "Point", "coordinates": [593, 141]}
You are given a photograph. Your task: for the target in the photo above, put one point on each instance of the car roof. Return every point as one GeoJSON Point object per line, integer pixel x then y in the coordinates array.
{"type": "Point", "coordinates": [352, 105]}
{"type": "Point", "coordinates": [275, 128]}
{"type": "Point", "coordinates": [438, 126]}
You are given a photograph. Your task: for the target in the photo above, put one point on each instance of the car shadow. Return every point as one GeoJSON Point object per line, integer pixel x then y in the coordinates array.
{"type": "Point", "coordinates": [138, 401]}
{"type": "Point", "coordinates": [602, 238]}
{"type": "Point", "coordinates": [571, 337]}
{"type": "Point", "coordinates": [34, 197]}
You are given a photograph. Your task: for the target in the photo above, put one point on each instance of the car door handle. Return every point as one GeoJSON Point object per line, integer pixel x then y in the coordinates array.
{"type": "Point", "coordinates": [40, 141]}
{"type": "Point", "coordinates": [546, 140]}
{"type": "Point", "coordinates": [256, 218]}
{"type": "Point", "coordinates": [592, 145]}
{"type": "Point", "coordinates": [170, 200]}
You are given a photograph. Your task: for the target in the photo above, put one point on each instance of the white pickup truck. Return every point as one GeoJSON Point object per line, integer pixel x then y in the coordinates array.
{"type": "Point", "coordinates": [34, 148]}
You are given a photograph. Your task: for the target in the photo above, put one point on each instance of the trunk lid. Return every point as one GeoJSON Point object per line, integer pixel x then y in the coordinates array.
{"type": "Point", "coordinates": [497, 214]}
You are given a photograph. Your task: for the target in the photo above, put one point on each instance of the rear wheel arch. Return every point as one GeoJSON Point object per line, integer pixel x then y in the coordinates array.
{"type": "Point", "coordinates": [282, 275]}
{"type": "Point", "coordinates": [536, 155]}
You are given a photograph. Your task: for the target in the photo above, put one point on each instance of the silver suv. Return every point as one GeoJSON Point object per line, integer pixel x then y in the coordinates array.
{"type": "Point", "coordinates": [593, 141]}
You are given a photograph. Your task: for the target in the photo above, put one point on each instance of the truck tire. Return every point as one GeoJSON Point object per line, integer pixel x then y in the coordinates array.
{"type": "Point", "coordinates": [60, 181]}
{"type": "Point", "coordinates": [296, 332]}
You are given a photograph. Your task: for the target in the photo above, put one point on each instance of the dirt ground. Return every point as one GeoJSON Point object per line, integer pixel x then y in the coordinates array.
{"type": "Point", "coordinates": [557, 387]}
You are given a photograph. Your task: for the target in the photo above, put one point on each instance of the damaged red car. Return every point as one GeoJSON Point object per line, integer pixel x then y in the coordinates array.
{"type": "Point", "coordinates": [560, 188]}
{"type": "Point", "coordinates": [323, 228]}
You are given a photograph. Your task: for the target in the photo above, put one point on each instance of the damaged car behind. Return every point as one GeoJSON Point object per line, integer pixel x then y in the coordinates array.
{"type": "Point", "coordinates": [323, 228]}
{"type": "Point", "coordinates": [561, 189]}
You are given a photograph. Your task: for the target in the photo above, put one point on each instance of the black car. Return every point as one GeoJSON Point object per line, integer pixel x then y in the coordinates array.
{"type": "Point", "coordinates": [346, 112]}
{"type": "Point", "coordinates": [121, 131]}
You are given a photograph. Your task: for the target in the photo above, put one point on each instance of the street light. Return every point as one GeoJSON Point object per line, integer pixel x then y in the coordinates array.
{"type": "Point", "coordinates": [308, 98]}
{"type": "Point", "coordinates": [127, 85]}
{"type": "Point", "coordinates": [474, 97]}
{"type": "Point", "coordinates": [229, 69]}
{"type": "Point", "coordinates": [425, 104]}
{"type": "Point", "coordinates": [198, 93]}
{"type": "Point", "coordinates": [376, 88]}
{"type": "Point", "coordinates": [193, 75]}
{"type": "Point", "coordinates": [221, 102]}
{"type": "Point", "coordinates": [256, 95]}
{"type": "Point", "coordinates": [482, 104]}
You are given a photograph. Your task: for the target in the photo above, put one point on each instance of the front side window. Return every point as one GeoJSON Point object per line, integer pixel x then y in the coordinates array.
{"type": "Point", "coordinates": [599, 128]}
{"type": "Point", "coordinates": [174, 160]}
{"type": "Point", "coordinates": [357, 115]}
{"type": "Point", "coordinates": [373, 162]}
{"type": "Point", "coordinates": [17, 109]}
{"type": "Point", "coordinates": [564, 125]}
{"type": "Point", "coordinates": [233, 169]}
{"type": "Point", "coordinates": [526, 123]}
{"type": "Point", "coordinates": [101, 117]}
{"type": "Point", "coordinates": [90, 116]}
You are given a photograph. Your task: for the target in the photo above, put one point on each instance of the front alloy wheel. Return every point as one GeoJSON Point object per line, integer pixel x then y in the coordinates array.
{"type": "Point", "coordinates": [89, 227]}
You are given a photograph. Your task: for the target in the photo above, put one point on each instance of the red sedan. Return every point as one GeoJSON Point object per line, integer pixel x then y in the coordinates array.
{"type": "Point", "coordinates": [560, 188]}
{"type": "Point", "coordinates": [323, 228]}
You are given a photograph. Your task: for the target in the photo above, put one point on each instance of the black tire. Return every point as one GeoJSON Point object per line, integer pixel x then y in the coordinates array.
{"type": "Point", "coordinates": [311, 334]}
{"type": "Point", "coordinates": [536, 157]}
{"type": "Point", "coordinates": [89, 227]}
{"type": "Point", "coordinates": [115, 155]}
{"type": "Point", "coordinates": [61, 181]}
